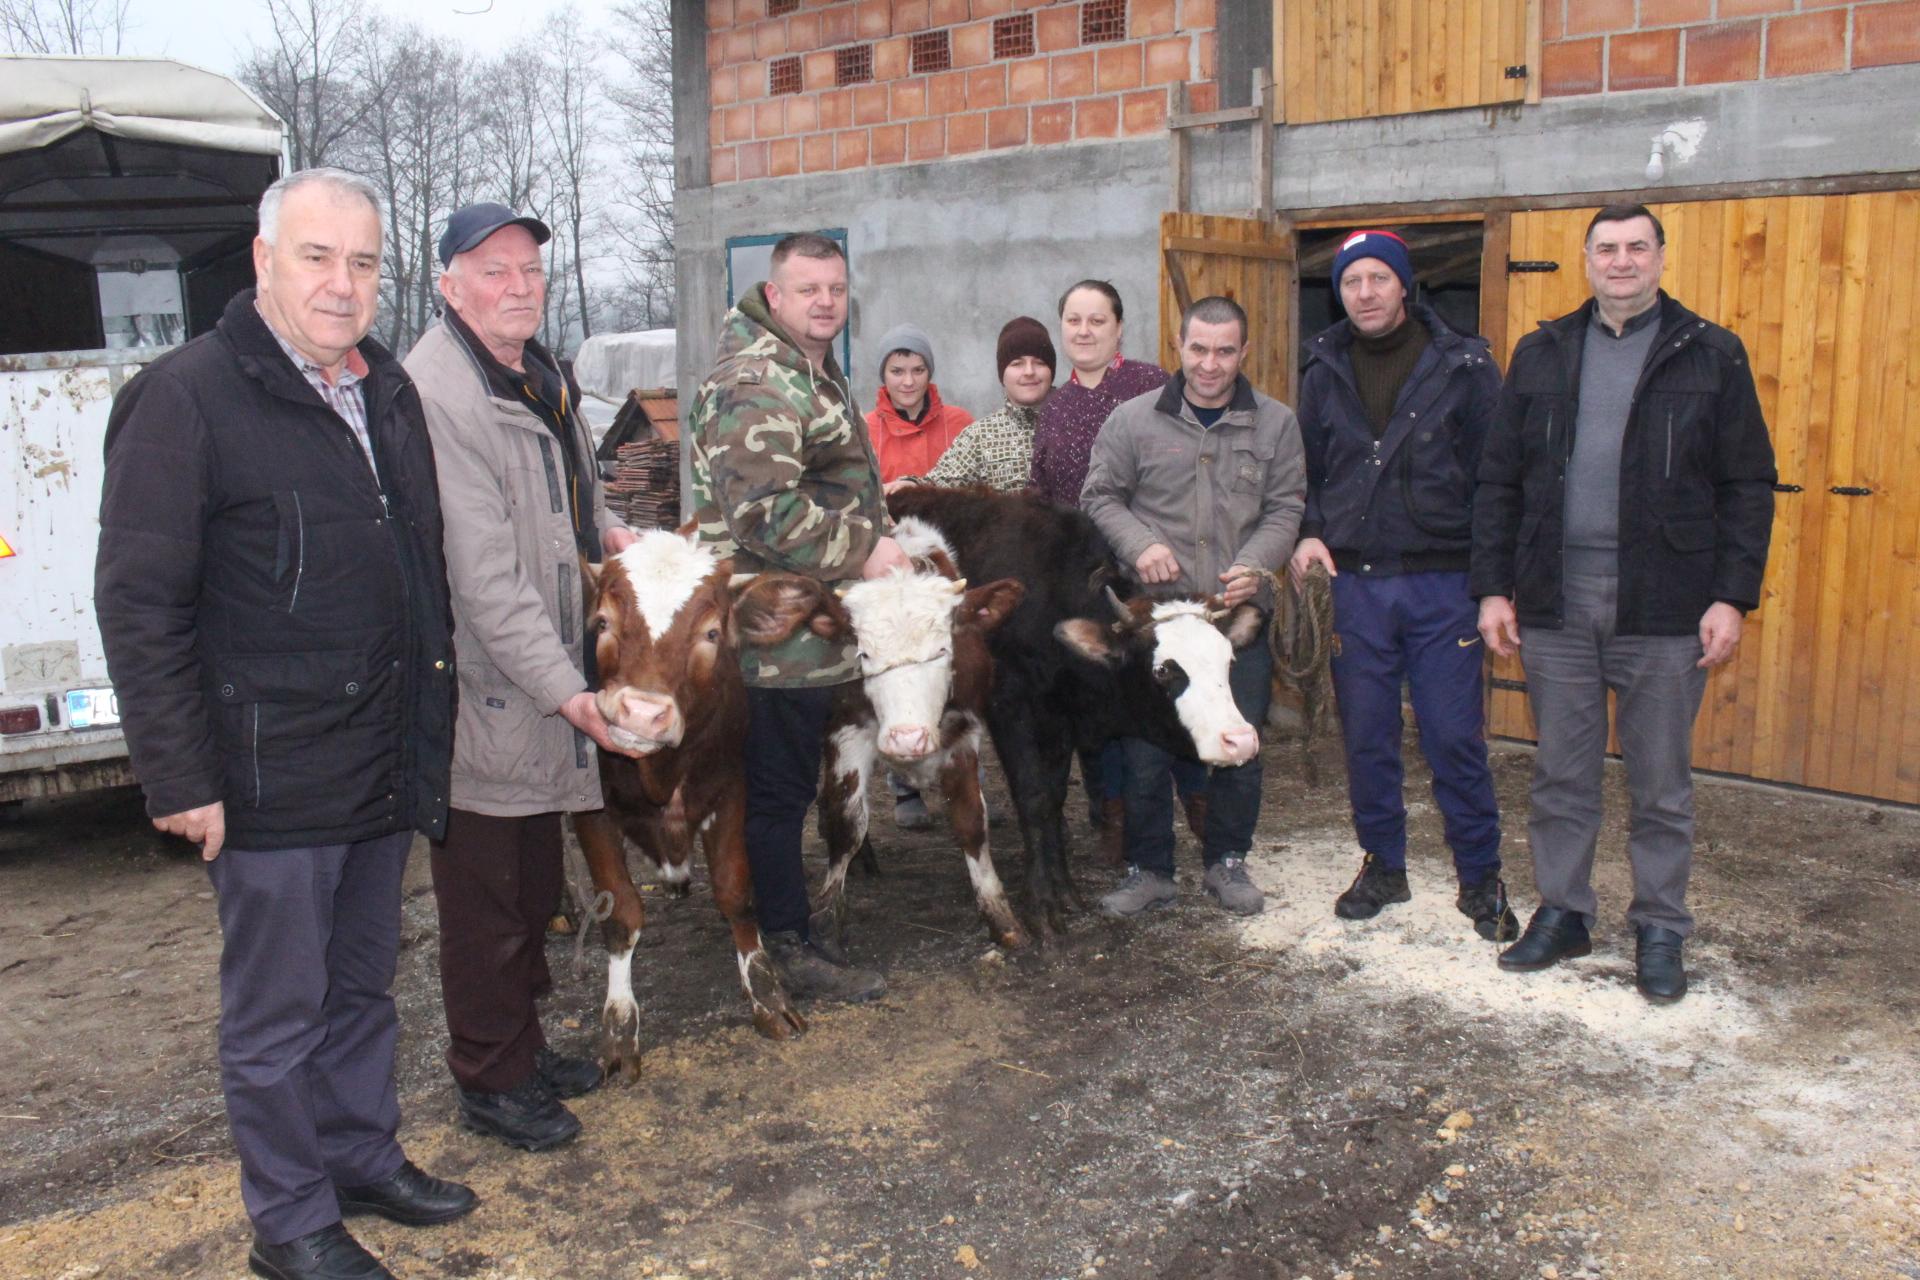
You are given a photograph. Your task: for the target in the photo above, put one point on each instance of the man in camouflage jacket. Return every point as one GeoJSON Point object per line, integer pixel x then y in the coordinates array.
{"type": "Point", "coordinates": [785, 479]}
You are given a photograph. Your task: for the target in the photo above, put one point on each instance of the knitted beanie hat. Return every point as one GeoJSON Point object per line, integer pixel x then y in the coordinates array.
{"type": "Point", "coordinates": [1025, 336]}
{"type": "Point", "coordinates": [906, 337]}
{"type": "Point", "coordinates": [1383, 245]}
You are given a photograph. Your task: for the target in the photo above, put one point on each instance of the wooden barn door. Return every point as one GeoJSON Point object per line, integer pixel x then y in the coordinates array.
{"type": "Point", "coordinates": [1249, 261]}
{"type": "Point", "coordinates": [1822, 289]}
{"type": "Point", "coordinates": [1348, 59]}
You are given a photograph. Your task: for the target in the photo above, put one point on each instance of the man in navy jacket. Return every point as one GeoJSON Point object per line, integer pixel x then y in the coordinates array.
{"type": "Point", "coordinates": [1620, 532]}
{"type": "Point", "coordinates": [1395, 406]}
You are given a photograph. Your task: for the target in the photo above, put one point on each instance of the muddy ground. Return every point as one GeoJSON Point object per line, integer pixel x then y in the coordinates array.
{"type": "Point", "coordinates": [1185, 1097]}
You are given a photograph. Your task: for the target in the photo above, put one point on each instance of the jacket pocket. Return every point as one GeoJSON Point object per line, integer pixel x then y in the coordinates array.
{"type": "Point", "coordinates": [1248, 461]}
{"type": "Point", "coordinates": [285, 714]}
{"type": "Point", "coordinates": [289, 549]}
{"type": "Point", "coordinates": [1536, 563]}
{"type": "Point", "coordinates": [1682, 580]}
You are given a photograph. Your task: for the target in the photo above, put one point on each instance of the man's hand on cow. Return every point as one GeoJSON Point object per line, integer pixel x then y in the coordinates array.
{"type": "Point", "coordinates": [895, 486]}
{"type": "Point", "coordinates": [885, 557]}
{"type": "Point", "coordinates": [1499, 626]}
{"type": "Point", "coordinates": [1241, 583]}
{"type": "Point", "coordinates": [1307, 553]}
{"type": "Point", "coordinates": [205, 826]}
{"type": "Point", "coordinates": [618, 539]}
{"type": "Point", "coordinates": [583, 713]}
{"type": "Point", "coordinates": [1719, 633]}
{"type": "Point", "coordinates": [1156, 564]}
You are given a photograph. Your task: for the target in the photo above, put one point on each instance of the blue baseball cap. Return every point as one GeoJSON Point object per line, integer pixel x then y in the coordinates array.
{"type": "Point", "coordinates": [470, 225]}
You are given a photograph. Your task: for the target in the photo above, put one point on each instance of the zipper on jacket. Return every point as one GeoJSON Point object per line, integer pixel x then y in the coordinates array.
{"type": "Point", "coordinates": [256, 755]}
{"type": "Point", "coordinates": [1669, 444]}
{"type": "Point", "coordinates": [300, 559]}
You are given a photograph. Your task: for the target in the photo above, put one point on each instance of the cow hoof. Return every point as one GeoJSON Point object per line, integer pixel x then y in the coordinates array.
{"type": "Point", "coordinates": [783, 1023]}
{"type": "Point", "coordinates": [620, 1041]}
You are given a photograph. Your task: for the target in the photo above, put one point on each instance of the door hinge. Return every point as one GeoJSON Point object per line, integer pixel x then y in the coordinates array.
{"type": "Point", "coordinates": [1525, 265]}
{"type": "Point", "coordinates": [1512, 686]}
{"type": "Point", "coordinates": [1852, 491]}
{"type": "Point", "coordinates": [1517, 73]}
{"type": "Point", "coordinates": [1788, 488]}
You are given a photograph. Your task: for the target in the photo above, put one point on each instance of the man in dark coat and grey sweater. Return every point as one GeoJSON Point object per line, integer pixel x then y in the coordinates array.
{"type": "Point", "coordinates": [1620, 532]}
{"type": "Point", "coordinates": [273, 601]}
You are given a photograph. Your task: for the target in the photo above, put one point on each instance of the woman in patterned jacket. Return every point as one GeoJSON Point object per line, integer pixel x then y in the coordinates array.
{"type": "Point", "coordinates": [997, 450]}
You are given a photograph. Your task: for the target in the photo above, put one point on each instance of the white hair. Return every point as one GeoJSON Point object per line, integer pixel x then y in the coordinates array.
{"type": "Point", "coordinates": [338, 179]}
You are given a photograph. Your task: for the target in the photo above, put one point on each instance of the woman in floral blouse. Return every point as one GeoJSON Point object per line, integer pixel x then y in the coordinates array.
{"type": "Point", "coordinates": [1102, 379]}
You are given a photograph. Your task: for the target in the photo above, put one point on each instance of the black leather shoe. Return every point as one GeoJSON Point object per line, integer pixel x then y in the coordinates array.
{"type": "Point", "coordinates": [409, 1197]}
{"type": "Point", "coordinates": [528, 1117]}
{"type": "Point", "coordinates": [1658, 970]}
{"type": "Point", "coordinates": [566, 1077]}
{"type": "Point", "coordinates": [1554, 934]}
{"type": "Point", "coordinates": [1486, 905]}
{"type": "Point", "coordinates": [327, 1254]}
{"type": "Point", "coordinates": [808, 971]}
{"type": "Point", "coordinates": [1374, 888]}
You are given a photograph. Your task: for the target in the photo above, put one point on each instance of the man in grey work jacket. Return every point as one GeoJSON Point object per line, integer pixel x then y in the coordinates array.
{"type": "Point", "coordinates": [1199, 487]}
{"type": "Point", "coordinates": [1620, 532]}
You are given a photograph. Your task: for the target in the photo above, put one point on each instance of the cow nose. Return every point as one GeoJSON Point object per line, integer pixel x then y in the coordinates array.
{"type": "Point", "coordinates": [649, 717]}
{"type": "Point", "coordinates": [908, 742]}
{"type": "Point", "coordinates": [1240, 745]}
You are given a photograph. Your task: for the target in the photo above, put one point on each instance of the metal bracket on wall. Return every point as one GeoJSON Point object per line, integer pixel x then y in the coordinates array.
{"type": "Point", "coordinates": [1526, 265]}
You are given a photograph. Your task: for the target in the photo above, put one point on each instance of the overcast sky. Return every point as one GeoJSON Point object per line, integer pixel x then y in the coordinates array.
{"type": "Point", "coordinates": [215, 33]}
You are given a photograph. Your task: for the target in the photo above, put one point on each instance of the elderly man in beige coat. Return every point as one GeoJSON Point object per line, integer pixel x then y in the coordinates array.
{"type": "Point", "coordinates": [522, 505]}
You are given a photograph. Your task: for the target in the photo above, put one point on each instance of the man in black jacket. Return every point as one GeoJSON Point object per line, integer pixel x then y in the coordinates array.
{"type": "Point", "coordinates": [273, 602]}
{"type": "Point", "coordinates": [1620, 533]}
{"type": "Point", "coordinates": [1395, 407]}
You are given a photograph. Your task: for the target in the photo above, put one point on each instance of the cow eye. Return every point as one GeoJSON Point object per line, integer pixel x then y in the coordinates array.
{"type": "Point", "coordinates": [865, 656]}
{"type": "Point", "coordinates": [1165, 673]}
{"type": "Point", "coordinates": [599, 623]}
{"type": "Point", "coordinates": [713, 635]}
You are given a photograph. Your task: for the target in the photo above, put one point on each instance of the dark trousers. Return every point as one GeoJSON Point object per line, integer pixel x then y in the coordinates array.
{"type": "Point", "coordinates": [495, 881]}
{"type": "Point", "coordinates": [309, 939]}
{"type": "Point", "coordinates": [1103, 771]}
{"type": "Point", "coordinates": [786, 733]}
{"type": "Point", "coordinates": [1233, 795]}
{"type": "Point", "coordinates": [1657, 684]}
{"type": "Point", "coordinates": [1423, 629]}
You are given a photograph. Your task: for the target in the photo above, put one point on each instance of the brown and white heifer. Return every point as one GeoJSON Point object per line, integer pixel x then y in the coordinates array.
{"type": "Point", "coordinates": [919, 709]}
{"type": "Point", "coordinates": [1075, 665]}
{"type": "Point", "coordinates": [667, 627]}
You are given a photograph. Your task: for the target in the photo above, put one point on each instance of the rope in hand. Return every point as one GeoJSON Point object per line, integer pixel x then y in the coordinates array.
{"type": "Point", "coordinates": [1303, 643]}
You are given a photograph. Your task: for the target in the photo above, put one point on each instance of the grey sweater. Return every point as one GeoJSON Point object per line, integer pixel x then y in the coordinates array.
{"type": "Point", "coordinates": [1609, 371]}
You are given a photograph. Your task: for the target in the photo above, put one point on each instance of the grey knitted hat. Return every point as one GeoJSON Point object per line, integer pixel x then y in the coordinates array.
{"type": "Point", "coordinates": [906, 337]}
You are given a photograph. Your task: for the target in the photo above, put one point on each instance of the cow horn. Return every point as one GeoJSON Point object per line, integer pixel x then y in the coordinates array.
{"type": "Point", "coordinates": [1119, 606]}
{"type": "Point", "coordinates": [739, 580]}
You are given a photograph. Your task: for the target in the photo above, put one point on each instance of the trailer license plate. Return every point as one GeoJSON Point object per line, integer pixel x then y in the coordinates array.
{"type": "Point", "coordinates": [92, 708]}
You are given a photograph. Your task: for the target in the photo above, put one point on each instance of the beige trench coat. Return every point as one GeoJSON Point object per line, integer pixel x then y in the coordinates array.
{"type": "Point", "coordinates": [515, 576]}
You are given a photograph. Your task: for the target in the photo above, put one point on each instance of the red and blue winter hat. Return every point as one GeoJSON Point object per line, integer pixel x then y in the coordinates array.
{"type": "Point", "coordinates": [1383, 245]}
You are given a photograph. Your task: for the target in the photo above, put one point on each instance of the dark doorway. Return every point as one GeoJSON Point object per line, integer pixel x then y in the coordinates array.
{"type": "Point", "coordinates": [1446, 271]}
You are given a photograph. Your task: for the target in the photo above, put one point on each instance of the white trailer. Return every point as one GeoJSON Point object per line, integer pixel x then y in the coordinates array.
{"type": "Point", "coordinates": [127, 190]}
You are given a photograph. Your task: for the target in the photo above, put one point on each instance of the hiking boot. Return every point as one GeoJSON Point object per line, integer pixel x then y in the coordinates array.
{"type": "Point", "coordinates": [810, 972]}
{"type": "Point", "coordinates": [527, 1116]}
{"type": "Point", "coordinates": [1196, 807]}
{"type": "Point", "coordinates": [1374, 888]}
{"type": "Point", "coordinates": [1142, 890]}
{"type": "Point", "coordinates": [566, 1077]}
{"type": "Point", "coordinates": [1486, 905]}
{"type": "Point", "coordinates": [910, 813]}
{"type": "Point", "coordinates": [1228, 884]}
{"type": "Point", "coordinates": [1113, 833]}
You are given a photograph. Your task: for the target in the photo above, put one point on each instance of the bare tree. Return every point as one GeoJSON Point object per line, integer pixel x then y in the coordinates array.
{"type": "Point", "coordinates": [63, 26]}
{"type": "Point", "coordinates": [643, 98]}
{"type": "Point", "coordinates": [312, 74]}
{"type": "Point", "coordinates": [567, 112]}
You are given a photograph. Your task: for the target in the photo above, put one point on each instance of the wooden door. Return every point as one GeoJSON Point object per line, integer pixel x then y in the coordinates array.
{"type": "Point", "coordinates": [1346, 59]}
{"type": "Point", "coordinates": [1822, 291]}
{"type": "Point", "coordinates": [1249, 261]}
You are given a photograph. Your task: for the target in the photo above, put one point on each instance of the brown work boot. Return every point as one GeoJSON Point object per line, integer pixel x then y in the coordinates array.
{"type": "Point", "coordinates": [1113, 833]}
{"type": "Point", "coordinates": [1196, 807]}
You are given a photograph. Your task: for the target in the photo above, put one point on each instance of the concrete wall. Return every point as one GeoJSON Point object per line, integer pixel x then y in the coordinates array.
{"type": "Point", "coordinates": [958, 248]}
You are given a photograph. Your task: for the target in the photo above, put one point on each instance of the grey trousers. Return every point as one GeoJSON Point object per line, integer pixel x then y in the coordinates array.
{"type": "Point", "coordinates": [310, 938]}
{"type": "Point", "coordinates": [1658, 687]}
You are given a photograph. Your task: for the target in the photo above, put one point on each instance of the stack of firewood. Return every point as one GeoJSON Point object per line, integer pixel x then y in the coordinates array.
{"type": "Point", "coordinates": [645, 489]}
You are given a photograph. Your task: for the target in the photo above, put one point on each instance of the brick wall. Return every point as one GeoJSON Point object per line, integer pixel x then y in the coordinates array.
{"type": "Point", "coordinates": [848, 109]}
{"type": "Point", "coordinates": [1608, 46]}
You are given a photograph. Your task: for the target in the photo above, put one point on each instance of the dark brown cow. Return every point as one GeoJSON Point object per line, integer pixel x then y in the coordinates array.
{"type": "Point", "coordinates": [919, 709]}
{"type": "Point", "coordinates": [668, 628]}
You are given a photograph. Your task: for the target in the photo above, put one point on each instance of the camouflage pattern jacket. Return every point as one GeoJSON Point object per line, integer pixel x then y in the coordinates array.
{"type": "Point", "coordinates": [784, 478]}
